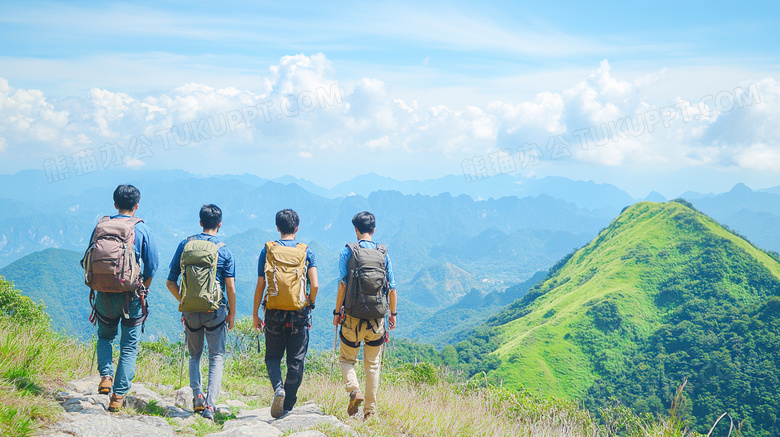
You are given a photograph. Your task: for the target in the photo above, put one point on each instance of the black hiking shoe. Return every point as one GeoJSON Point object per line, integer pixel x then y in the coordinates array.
{"type": "Point", "coordinates": [355, 399]}
{"type": "Point", "coordinates": [277, 407]}
{"type": "Point", "coordinates": [199, 403]}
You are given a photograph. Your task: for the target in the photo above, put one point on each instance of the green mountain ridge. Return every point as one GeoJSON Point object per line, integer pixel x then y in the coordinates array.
{"type": "Point", "coordinates": [651, 300]}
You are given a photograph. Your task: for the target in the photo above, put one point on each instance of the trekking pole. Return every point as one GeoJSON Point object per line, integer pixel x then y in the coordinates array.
{"type": "Point", "coordinates": [342, 316]}
{"type": "Point", "coordinates": [335, 342]}
{"type": "Point", "coordinates": [94, 355]}
{"type": "Point", "coordinates": [182, 337]}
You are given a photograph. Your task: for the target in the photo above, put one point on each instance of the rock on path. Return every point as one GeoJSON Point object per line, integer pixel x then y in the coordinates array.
{"type": "Point", "coordinates": [85, 414]}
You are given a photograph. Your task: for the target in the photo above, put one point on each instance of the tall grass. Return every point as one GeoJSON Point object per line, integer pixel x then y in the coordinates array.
{"type": "Point", "coordinates": [414, 400]}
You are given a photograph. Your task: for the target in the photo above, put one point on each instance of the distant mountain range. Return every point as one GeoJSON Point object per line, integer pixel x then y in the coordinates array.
{"type": "Point", "coordinates": [662, 294]}
{"type": "Point", "coordinates": [444, 245]}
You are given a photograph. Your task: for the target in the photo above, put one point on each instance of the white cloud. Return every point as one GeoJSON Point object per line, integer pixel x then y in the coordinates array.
{"type": "Point", "coordinates": [303, 107]}
{"type": "Point", "coordinates": [134, 163]}
{"type": "Point", "coordinates": [760, 157]}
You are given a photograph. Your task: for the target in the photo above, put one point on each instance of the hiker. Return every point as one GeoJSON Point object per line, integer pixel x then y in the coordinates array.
{"type": "Point", "coordinates": [366, 292]}
{"type": "Point", "coordinates": [119, 264]}
{"type": "Point", "coordinates": [207, 301]}
{"type": "Point", "coordinates": [285, 265]}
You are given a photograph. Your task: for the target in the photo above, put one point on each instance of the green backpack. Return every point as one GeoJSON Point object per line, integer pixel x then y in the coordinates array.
{"type": "Point", "coordinates": [200, 288]}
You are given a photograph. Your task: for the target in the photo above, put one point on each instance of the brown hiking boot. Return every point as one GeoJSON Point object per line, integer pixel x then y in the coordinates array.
{"type": "Point", "coordinates": [106, 382]}
{"type": "Point", "coordinates": [116, 403]}
{"type": "Point", "coordinates": [355, 399]}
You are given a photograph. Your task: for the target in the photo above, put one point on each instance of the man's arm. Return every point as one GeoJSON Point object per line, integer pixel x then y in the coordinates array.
{"type": "Point", "coordinates": [230, 288]}
{"type": "Point", "coordinates": [174, 273]}
{"type": "Point", "coordinates": [173, 287]}
{"type": "Point", "coordinates": [393, 298]}
{"type": "Point", "coordinates": [148, 252]}
{"type": "Point", "coordinates": [339, 302]}
{"type": "Point", "coordinates": [259, 289]}
{"type": "Point", "coordinates": [314, 284]}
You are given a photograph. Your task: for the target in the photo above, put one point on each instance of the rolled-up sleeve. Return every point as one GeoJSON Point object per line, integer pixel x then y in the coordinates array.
{"type": "Point", "coordinates": [343, 260]}
{"type": "Point", "coordinates": [261, 264]}
{"type": "Point", "coordinates": [148, 250]}
{"type": "Point", "coordinates": [229, 270]}
{"type": "Point", "coordinates": [390, 275]}
{"type": "Point", "coordinates": [175, 267]}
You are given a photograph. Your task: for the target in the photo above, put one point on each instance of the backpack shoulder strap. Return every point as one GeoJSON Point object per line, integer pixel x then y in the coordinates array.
{"type": "Point", "coordinates": [382, 248]}
{"type": "Point", "coordinates": [104, 218]}
{"type": "Point", "coordinates": [136, 220]}
{"type": "Point", "coordinates": [220, 245]}
{"type": "Point", "coordinates": [302, 246]}
{"type": "Point", "coordinates": [353, 247]}
{"type": "Point", "coordinates": [192, 238]}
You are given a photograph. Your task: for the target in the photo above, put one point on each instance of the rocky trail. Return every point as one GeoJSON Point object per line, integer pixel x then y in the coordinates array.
{"type": "Point", "coordinates": [85, 414]}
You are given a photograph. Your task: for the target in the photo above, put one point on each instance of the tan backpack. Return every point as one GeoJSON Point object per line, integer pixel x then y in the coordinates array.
{"type": "Point", "coordinates": [109, 263]}
{"type": "Point", "coordinates": [285, 274]}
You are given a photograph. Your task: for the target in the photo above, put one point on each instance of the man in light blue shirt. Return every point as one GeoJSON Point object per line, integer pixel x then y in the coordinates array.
{"type": "Point", "coordinates": [355, 331]}
{"type": "Point", "coordinates": [213, 325]}
{"type": "Point", "coordinates": [111, 308]}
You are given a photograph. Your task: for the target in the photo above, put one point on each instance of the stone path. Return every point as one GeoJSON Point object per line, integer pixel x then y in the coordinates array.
{"type": "Point", "coordinates": [85, 414]}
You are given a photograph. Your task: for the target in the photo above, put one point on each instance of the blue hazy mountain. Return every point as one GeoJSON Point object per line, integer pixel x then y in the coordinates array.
{"type": "Point", "coordinates": [753, 213]}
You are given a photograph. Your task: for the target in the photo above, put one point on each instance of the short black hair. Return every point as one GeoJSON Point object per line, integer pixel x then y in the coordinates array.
{"type": "Point", "coordinates": [210, 216]}
{"type": "Point", "coordinates": [287, 221]}
{"type": "Point", "coordinates": [365, 222]}
{"type": "Point", "coordinates": [126, 197]}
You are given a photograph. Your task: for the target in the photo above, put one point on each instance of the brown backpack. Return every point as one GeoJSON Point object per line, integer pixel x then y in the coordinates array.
{"type": "Point", "coordinates": [110, 263]}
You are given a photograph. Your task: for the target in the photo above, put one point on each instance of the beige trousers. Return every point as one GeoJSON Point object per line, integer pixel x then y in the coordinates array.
{"type": "Point", "coordinates": [354, 331]}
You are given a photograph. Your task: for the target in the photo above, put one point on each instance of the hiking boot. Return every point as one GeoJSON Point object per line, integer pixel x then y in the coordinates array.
{"type": "Point", "coordinates": [116, 403]}
{"type": "Point", "coordinates": [208, 413]}
{"type": "Point", "coordinates": [355, 399]}
{"type": "Point", "coordinates": [106, 382]}
{"type": "Point", "coordinates": [277, 407]}
{"type": "Point", "coordinates": [199, 403]}
{"type": "Point", "coordinates": [367, 416]}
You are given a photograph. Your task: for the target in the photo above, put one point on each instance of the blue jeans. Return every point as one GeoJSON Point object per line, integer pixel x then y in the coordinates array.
{"type": "Point", "coordinates": [213, 327]}
{"type": "Point", "coordinates": [111, 310]}
{"type": "Point", "coordinates": [286, 332]}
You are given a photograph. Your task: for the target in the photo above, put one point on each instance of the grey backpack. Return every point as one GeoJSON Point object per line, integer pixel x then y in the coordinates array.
{"type": "Point", "coordinates": [367, 287]}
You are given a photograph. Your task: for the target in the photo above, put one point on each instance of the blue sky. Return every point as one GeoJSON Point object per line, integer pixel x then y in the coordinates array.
{"type": "Point", "coordinates": [424, 87]}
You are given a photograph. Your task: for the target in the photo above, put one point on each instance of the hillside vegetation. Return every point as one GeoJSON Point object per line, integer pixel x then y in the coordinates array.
{"type": "Point", "coordinates": [662, 294]}
{"type": "Point", "coordinates": [415, 399]}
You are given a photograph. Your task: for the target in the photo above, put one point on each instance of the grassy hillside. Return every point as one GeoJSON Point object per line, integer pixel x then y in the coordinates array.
{"type": "Point", "coordinates": [414, 400]}
{"type": "Point", "coordinates": [647, 303]}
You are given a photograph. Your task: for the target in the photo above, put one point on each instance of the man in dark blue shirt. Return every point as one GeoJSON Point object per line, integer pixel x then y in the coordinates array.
{"type": "Point", "coordinates": [110, 308]}
{"type": "Point", "coordinates": [212, 324]}
{"type": "Point", "coordinates": [285, 330]}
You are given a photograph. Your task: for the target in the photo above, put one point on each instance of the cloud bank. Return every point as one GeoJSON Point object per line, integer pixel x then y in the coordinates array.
{"type": "Point", "coordinates": [301, 107]}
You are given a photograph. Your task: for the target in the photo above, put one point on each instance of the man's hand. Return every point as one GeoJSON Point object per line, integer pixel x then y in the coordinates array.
{"type": "Point", "coordinates": [231, 320]}
{"type": "Point", "coordinates": [391, 321]}
{"type": "Point", "coordinates": [257, 322]}
{"type": "Point", "coordinates": [336, 320]}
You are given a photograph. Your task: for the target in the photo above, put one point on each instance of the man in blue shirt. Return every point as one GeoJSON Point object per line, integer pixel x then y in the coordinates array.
{"type": "Point", "coordinates": [355, 331]}
{"type": "Point", "coordinates": [213, 324]}
{"type": "Point", "coordinates": [128, 307]}
{"type": "Point", "coordinates": [285, 330]}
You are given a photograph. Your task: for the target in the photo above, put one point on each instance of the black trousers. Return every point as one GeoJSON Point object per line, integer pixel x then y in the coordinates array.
{"type": "Point", "coordinates": [286, 332]}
